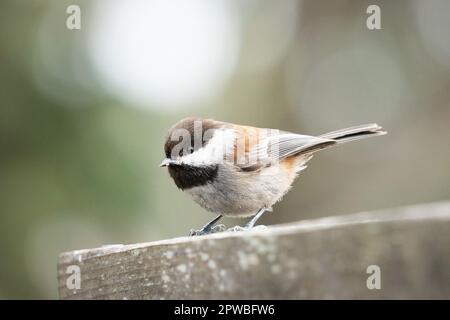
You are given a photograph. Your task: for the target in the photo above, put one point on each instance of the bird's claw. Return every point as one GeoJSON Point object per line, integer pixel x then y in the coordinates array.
{"type": "Point", "coordinates": [237, 228]}
{"type": "Point", "coordinates": [247, 228]}
{"type": "Point", "coordinates": [204, 231]}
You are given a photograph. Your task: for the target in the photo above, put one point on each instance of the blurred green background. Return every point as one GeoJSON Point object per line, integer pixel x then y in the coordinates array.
{"type": "Point", "coordinates": [83, 113]}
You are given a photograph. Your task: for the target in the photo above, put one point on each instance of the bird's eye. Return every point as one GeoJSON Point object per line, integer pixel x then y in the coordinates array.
{"type": "Point", "coordinates": [184, 151]}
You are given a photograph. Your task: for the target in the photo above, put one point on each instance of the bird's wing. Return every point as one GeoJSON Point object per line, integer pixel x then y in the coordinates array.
{"type": "Point", "coordinates": [256, 148]}
{"type": "Point", "coordinates": [288, 144]}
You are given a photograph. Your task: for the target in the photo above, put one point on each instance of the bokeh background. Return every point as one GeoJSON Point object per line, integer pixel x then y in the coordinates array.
{"type": "Point", "coordinates": [83, 113]}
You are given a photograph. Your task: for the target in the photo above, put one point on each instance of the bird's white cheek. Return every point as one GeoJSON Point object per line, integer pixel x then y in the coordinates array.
{"type": "Point", "coordinates": [215, 151]}
{"type": "Point", "coordinates": [198, 158]}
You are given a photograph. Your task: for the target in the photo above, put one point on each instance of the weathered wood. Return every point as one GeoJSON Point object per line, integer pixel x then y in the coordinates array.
{"type": "Point", "coordinates": [323, 258]}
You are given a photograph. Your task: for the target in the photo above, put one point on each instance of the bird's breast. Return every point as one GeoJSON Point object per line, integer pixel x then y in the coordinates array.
{"type": "Point", "coordinates": [240, 194]}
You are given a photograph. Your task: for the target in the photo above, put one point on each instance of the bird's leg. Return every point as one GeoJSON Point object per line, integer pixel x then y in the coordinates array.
{"type": "Point", "coordinates": [251, 224]}
{"type": "Point", "coordinates": [210, 227]}
{"type": "Point", "coordinates": [258, 215]}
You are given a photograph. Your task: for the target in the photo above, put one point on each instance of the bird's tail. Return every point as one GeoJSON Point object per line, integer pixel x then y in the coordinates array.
{"type": "Point", "coordinates": [354, 133]}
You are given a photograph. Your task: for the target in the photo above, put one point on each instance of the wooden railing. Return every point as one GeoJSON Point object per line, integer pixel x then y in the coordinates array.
{"type": "Point", "coordinates": [394, 253]}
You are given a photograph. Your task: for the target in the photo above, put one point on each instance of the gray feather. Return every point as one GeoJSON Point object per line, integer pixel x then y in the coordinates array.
{"type": "Point", "coordinates": [354, 133]}
{"type": "Point", "coordinates": [281, 145]}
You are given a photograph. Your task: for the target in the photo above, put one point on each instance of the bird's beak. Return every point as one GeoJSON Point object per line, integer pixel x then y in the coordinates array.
{"type": "Point", "coordinates": [166, 162]}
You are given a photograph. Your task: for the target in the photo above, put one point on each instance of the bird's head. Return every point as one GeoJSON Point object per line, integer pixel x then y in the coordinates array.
{"type": "Point", "coordinates": [194, 148]}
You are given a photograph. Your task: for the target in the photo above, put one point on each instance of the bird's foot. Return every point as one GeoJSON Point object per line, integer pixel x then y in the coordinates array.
{"type": "Point", "coordinates": [207, 230]}
{"type": "Point", "coordinates": [247, 228]}
{"type": "Point", "coordinates": [237, 228]}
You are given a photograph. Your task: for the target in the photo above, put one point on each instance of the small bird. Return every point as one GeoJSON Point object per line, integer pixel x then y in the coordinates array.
{"type": "Point", "coordinates": [242, 171]}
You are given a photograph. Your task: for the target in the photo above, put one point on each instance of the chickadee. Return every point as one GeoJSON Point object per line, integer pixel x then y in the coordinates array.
{"type": "Point", "coordinates": [242, 171]}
